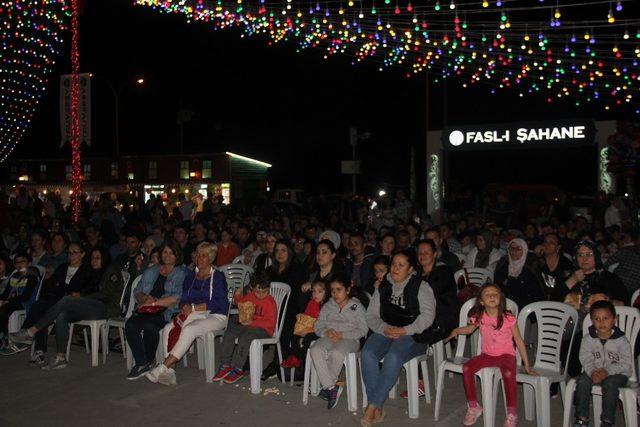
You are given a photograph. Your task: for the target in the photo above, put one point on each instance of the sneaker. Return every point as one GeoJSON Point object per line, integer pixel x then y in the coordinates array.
{"type": "Point", "coordinates": [472, 415]}
{"type": "Point", "coordinates": [138, 371]}
{"type": "Point", "coordinates": [22, 337]}
{"type": "Point", "coordinates": [510, 421]}
{"type": "Point", "coordinates": [295, 362]}
{"type": "Point", "coordinates": [579, 422]}
{"type": "Point", "coordinates": [56, 364]}
{"type": "Point", "coordinates": [234, 376]}
{"type": "Point", "coordinates": [154, 374]}
{"type": "Point", "coordinates": [13, 348]}
{"type": "Point", "coordinates": [323, 395]}
{"type": "Point", "coordinates": [38, 359]}
{"type": "Point", "coordinates": [270, 371]}
{"type": "Point", "coordinates": [287, 363]}
{"type": "Point", "coordinates": [167, 377]}
{"type": "Point", "coordinates": [4, 342]}
{"type": "Point", "coordinates": [333, 395]}
{"type": "Point", "coordinates": [223, 371]}
{"type": "Point", "coordinates": [405, 394]}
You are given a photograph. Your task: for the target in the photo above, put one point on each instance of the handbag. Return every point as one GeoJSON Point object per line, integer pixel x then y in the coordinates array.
{"type": "Point", "coordinates": [150, 309]}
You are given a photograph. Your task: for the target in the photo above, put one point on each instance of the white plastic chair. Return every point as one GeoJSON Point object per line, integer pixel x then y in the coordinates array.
{"type": "Point", "coordinates": [454, 365]}
{"type": "Point", "coordinates": [628, 320]}
{"type": "Point", "coordinates": [280, 292]}
{"type": "Point", "coordinates": [312, 384]}
{"type": "Point", "coordinates": [477, 276]}
{"type": "Point", "coordinates": [612, 267]}
{"type": "Point", "coordinates": [238, 276]}
{"type": "Point", "coordinates": [17, 317]}
{"type": "Point", "coordinates": [118, 322]}
{"type": "Point", "coordinates": [96, 327]}
{"type": "Point", "coordinates": [552, 320]}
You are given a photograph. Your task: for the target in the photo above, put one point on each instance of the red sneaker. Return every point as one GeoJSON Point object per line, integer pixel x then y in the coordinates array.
{"type": "Point", "coordinates": [286, 363]}
{"type": "Point", "coordinates": [405, 393]}
{"type": "Point", "coordinates": [295, 362]}
{"type": "Point", "coordinates": [234, 376]}
{"type": "Point", "coordinates": [222, 372]}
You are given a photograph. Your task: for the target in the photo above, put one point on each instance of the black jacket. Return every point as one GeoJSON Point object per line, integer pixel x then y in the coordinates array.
{"type": "Point", "coordinates": [55, 287]}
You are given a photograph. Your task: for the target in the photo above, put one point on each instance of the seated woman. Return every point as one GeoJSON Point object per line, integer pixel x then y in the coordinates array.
{"type": "Point", "coordinates": [204, 306]}
{"type": "Point", "coordinates": [517, 278]}
{"type": "Point", "coordinates": [68, 279]}
{"type": "Point", "coordinates": [400, 314]}
{"type": "Point", "coordinates": [82, 305]}
{"type": "Point", "coordinates": [483, 255]}
{"type": "Point", "coordinates": [157, 296]}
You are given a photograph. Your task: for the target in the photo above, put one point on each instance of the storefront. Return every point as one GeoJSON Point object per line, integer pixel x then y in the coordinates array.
{"type": "Point", "coordinates": [569, 153]}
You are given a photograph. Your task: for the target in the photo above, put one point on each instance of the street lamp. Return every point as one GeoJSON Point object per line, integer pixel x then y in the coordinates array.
{"type": "Point", "coordinates": [116, 102]}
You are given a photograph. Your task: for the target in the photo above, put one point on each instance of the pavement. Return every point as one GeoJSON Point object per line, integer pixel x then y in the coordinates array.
{"type": "Point", "coordinates": [80, 395]}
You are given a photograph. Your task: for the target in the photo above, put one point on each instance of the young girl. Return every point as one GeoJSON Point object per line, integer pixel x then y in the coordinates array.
{"type": "Point", "coordinates": [303, 339]}
{"type": "Point", "coordinates": [380, 269]}
{"type": "Point", "coordinates": [498, 331]}
{"type": "Point", "coordinates": [262, 325]}
{"type": "Point", "coordinates": [340, 326]}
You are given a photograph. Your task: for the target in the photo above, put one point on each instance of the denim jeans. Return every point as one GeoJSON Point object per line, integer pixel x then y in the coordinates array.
{"type": "Point", "coordinates": [378, 381]}
{"type": "Point", "coordinates": [70, 309]}
{"type": "Point", "coordinates": [610, 386]}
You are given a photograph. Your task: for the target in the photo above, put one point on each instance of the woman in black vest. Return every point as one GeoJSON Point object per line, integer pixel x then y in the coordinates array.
{"type": "Point", "coordinates": [400, 314]}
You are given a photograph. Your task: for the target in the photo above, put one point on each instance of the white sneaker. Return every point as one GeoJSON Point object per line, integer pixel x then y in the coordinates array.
{"type": "Point", "coordinates": [168, 376]}
{"type": "Point", "coordinates": [154, 374]}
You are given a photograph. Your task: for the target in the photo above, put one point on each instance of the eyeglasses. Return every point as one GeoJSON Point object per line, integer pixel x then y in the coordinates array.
{"type": "Point", "coordinates": [584, 254]}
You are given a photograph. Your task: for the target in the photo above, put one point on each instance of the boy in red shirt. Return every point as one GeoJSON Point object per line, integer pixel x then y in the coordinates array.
{"type": "Point", "coordinates": [262, 325]}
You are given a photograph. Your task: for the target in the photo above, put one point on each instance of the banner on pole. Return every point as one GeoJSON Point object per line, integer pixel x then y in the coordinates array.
{"type": "Point", "coordinates": [84, 106]}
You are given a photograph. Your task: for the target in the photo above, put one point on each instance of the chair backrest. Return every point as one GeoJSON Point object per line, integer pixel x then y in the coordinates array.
{"type": "Point", "coordinates": [40, 282]}
{"type": "Point", "coordinates": [464, 321]}
{"type": "Point", "coordinates": [280, 292]}
{"type": "Point", "coordinates": [237, 275]}
{"type": "Point", "coordinates": [552, 319]}
{"type": "Point", "coordinates": [628, 320]}
{"type": "Point", "coordinates": [238, 259]}
{"type": "Point", "coordinates": [613, 267]}
{"type": "Point", "coordinates": [477, 276]}
{"type": "Point", "coordinates": [132, 298]}
{"type": "Point", "coordinates": [461, 257]}
{"type": "Point", "coordinates": [125, 280]}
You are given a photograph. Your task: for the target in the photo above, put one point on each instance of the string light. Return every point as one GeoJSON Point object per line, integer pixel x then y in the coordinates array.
{"type": "Point", "coordinates": [30, 41]}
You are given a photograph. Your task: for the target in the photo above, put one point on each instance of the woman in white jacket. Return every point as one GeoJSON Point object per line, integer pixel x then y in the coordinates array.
{"type": "Point", "coordinates": [484, 255]}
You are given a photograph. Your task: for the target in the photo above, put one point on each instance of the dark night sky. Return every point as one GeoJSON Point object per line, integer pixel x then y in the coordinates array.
{"type": "Point", "coordinates": [291, 109]}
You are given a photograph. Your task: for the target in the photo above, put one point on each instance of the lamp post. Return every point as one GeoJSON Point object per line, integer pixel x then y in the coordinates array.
{"type": "Point", "coordinates": [116, 102]}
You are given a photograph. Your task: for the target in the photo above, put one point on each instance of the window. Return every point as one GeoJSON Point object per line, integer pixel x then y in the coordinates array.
{"type": "Point", "coordinates": [67, 172]}
{"type": "Point", "coordinates": [43, 172]}
{"type": "Point", "coordinates": [184, 169]}
{"type": "Point", "coordinates": [114, 170]}
{"type": "Point", "coordinates": [153, 170]}
{"type": "Point", "coordinates": [86, 172]}
{"type": "Point", "coordinates": [206, 169]}
{"type": "Point", "coordinates": [130, 176]}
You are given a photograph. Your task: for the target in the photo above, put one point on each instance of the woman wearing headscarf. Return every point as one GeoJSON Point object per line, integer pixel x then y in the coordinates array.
{"type": "Point", "coordinates": [589, 283]}
{"type": "Point", "coordinates": [517, 279]}
{"type": "Point", "coordinates": [484, 255]}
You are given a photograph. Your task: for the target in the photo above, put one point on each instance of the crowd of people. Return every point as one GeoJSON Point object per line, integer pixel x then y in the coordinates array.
{"type": "Point", "coordinates": [380, 282]}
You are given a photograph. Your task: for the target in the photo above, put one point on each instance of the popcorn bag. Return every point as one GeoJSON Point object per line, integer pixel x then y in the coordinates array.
{"type": "Point", "coordinates": [304, 324]}
{"type": "Point", "coordinates": [246, 310]}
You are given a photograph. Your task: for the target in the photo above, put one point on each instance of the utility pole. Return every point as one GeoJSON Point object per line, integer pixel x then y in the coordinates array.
{"type": "Point", "coordinates": [353, 137]}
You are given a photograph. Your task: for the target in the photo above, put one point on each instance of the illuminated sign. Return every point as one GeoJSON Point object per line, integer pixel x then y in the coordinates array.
{"type": "Point", "coordinates": [516, 135]}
